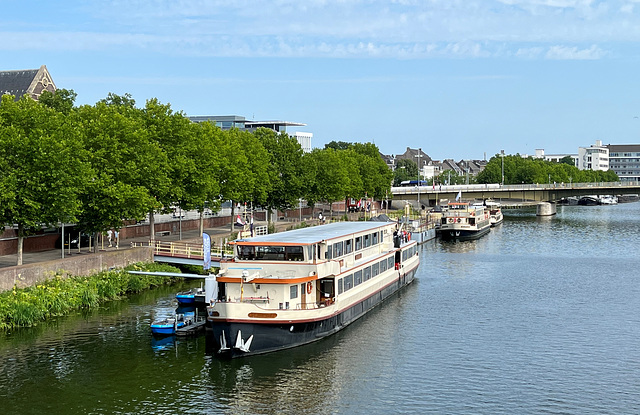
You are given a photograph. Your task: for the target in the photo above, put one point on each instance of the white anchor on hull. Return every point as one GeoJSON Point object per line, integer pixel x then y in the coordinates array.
{"type": "Point", "coordinates": [241, 344]}
{"type": "Point", "coordinates": [223, 343]}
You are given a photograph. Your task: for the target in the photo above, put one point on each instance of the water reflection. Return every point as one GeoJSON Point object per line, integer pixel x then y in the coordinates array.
{"type": "Point", "coordinates": [540, 315]}
{"type": "Point", "coordinates": [299, 380]}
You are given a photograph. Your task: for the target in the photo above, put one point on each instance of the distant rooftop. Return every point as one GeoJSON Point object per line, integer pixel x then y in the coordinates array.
{"type": "Point", "coordinates": [236, 121]}
{"type": "Point", "coordinates": [26, 81]}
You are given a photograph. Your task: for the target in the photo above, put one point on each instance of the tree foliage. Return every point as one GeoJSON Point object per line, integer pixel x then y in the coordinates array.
{"type": "Point", "coordinates": [43, 166]}
{"type": "Point", "coordinates": [518, 170]}
{"type": "Point", "coordinates": [405, 170]}
{"type": "Point", "coordinates": [100, 165]}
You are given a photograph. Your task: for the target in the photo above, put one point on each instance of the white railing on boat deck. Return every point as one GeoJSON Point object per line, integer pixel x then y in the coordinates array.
{"type": "Point", "coordinates": [184, 249]}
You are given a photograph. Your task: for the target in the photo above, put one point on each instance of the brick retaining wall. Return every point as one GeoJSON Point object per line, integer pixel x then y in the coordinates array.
{"type": "Point", "coordinates": [77, 265]}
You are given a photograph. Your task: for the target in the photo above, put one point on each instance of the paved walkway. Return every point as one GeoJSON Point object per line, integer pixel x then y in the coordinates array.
{"type": "Point", "coordinates": [190, 236]}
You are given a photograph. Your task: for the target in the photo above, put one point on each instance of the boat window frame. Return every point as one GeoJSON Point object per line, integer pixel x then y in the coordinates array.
{"type": "Point", "coordinates": [293, 295]}
{"type": "Point", "coordinates": [348, 282]}
{"type": "Point", "coordinates": [357, 278]}
{"type": "Point", "coordinates": [348, 246]}
{"type": "Point", "coordinates": [338, 249]}
{"type": "Point", "coordinates": [383, 265]}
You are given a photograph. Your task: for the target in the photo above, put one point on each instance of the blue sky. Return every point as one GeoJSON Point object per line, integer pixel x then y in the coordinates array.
{"type": "Point", "coordinates": [458, 78]}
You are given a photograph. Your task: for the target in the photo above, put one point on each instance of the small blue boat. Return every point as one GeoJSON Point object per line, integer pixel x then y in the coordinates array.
{"type": "Point", "coordinates": [186, 297]}
{"type": "Point", "coordinates": [167, 326]}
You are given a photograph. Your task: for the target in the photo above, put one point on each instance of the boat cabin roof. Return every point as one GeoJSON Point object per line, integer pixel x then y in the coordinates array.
{"type": "Point", "coordinates": [314, 234]}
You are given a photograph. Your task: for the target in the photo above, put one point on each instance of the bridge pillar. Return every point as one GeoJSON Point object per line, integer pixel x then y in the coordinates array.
{"type": "Point", "coordinates": [546, 209]}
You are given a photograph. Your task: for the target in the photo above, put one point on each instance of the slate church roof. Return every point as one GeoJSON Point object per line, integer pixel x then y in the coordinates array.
{"type": "Point", "coordinates": [26, 81]}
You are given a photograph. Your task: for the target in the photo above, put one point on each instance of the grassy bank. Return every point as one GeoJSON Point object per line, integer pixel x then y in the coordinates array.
{"type": "Point", "coordinates": [60, 295]}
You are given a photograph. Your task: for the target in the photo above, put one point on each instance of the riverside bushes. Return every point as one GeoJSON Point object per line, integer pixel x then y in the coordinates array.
{"type": "Point", "coordinates": [59, 295]}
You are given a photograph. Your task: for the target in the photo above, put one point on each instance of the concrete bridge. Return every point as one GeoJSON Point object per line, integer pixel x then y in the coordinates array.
{"type": "Point", "coordinates": [518, 194]}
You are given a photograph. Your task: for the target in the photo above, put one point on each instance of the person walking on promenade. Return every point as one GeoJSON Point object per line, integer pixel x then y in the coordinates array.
{"type": "Point", "coordinates": [109, 236]}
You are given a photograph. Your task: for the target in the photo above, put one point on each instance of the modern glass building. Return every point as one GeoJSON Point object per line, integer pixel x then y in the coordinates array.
{"type": "Point", "coordinates": [227, 122]}
{"type": "Point", "coordinates": [624, 160]}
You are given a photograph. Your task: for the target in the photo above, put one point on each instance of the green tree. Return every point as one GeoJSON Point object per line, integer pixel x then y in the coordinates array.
{"type": "Point", "coordinates": [568, 160]}
{"type": "Point", "coordinates": [405, 170]}
{"type": "Point", "coordinates": [338, 145]}
{"type": "Point", "coordinates": [376, 175]}
{"type": "Point", "coordinates": [285, 169]}
{"type": "Point", "coordinates": [43, 171]}
{"type": "Point", "coordinates": [62, 100]}
{"type": "Point", "coordinates": [165, 130]}
{"type": "Point", "coordinates": [331, 176]}
{"type": "Point", "coordinates": [518, 170]}
{"type": "Point", "coordinates": [123, 159]}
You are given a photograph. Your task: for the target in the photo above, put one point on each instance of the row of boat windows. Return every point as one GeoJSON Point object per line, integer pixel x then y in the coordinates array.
{"type": "Point", "coordinates": [271, 253]}
{"type": "Point", "coordinates": [365, 274]}
{"type": "Point", "coordinates": [408, 253]}
{"type": "Point", "coordinates": [346, 247]}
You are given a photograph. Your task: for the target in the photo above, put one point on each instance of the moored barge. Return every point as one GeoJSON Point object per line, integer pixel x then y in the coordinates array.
{"type": "Point", "coordinates": [463, 221]}
{"type": "Point", "coordinates": [287, 289]}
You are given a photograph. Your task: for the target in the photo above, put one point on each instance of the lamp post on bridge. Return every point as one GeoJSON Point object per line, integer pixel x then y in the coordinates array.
{"type": "Point", "coordinates": [418, 156]}
{"type": "Point", "coordinates": [502, 156]}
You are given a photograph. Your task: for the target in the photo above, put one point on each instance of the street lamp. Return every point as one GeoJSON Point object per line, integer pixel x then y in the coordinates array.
{"type": "Point", "coordinates": [418, 156]}
{"type": "Point", "coordinates": [502, 155]}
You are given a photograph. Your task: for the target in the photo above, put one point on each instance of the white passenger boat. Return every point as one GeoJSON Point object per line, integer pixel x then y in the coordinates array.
{"type": "Point", "coordinates": [608, 200]}
{"type": "Point", "coordinates": [462, 221]}
{"type": "Point", "coordinates": [495, 212]}
{"type": "Point", "coordinates": [287, 289]}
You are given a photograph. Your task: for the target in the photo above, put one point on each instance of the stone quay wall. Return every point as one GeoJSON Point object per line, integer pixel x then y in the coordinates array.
{"type": "Point", "coordinates": [75, 265]}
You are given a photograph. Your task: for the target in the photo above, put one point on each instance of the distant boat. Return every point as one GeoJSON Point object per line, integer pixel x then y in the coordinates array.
{"type": "Point", "coordinates": [495, 212]}
{"type": "Point", "coordinates": [571, 201]}
{"type": "Point", "coordinates": [608, 200]}
{"type": "Point", "coordinates": [463, 222]}
{"type": "Point", "coordinates": [588, 201]}
{"type": "Point", "coordinates": [628, 198]}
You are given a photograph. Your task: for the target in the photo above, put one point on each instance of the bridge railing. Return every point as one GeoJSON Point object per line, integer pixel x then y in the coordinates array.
{"type": "Point", "coordinates": [511, 187]}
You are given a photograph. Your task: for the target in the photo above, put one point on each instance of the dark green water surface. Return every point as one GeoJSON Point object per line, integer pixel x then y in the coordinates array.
{"type": "Point", "coordinates": [540, 316]}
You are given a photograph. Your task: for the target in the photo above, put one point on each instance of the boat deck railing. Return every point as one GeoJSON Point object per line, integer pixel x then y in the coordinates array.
{"type": "Point", "coordinates": [184, 249]}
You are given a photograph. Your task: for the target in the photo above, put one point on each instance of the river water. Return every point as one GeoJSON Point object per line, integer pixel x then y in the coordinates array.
{"type": "Point", "coordinates": [540, 316]}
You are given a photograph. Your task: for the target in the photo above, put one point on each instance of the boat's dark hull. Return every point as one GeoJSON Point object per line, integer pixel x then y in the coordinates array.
{"type": "Point", "coordinates": [277, 336]}
{"type": "Point", "coordinates": [588, 201]}
{"type": "Point", "coordinates": [463, 234]}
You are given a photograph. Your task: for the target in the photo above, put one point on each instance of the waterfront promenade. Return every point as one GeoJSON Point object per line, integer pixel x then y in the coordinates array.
{"type": "Point", "coordinates": [188, 236]}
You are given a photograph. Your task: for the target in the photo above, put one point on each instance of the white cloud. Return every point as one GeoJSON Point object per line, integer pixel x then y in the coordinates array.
{"type": "Point", "coordinates": [403, 29]}
{"type": "Point", "coordinates": [573, 53]}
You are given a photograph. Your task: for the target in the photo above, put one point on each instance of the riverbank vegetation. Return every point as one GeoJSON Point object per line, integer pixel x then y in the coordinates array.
{"type": "Point", "coordinates": [97, 165]}
{"type": "Point", "coordinates": [60, 295]}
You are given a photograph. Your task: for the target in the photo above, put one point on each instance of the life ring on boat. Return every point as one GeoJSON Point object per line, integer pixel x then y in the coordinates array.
{"type": "Point", "coordinates": [309, 287]}
{"type": "Point", "coordinates": [451, 220]}
{"type": "Point", "coordinates": [458, 220]}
